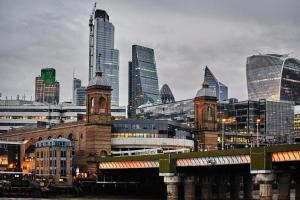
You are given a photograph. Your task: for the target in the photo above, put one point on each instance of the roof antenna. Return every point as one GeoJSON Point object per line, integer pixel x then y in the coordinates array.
{"type": "Point", "coordinates": [94, 10]}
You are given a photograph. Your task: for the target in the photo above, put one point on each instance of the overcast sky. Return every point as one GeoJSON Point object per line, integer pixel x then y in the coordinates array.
{"type": "Point", "coordinates": [185, 35]}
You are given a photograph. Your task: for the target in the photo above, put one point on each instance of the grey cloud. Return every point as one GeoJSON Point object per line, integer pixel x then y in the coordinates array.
{"type": "Point", "coordinates": [186, 36]}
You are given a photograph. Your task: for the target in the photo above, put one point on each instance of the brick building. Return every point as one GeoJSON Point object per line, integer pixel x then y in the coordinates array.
{"type": "Point", "coordinates": [53, 160]}
{"type": "Point", "coordinates": [206, 129]}
{"type": "Point", "coordinates": [90, 137]}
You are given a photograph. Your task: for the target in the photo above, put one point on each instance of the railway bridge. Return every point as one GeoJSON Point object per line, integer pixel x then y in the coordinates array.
{"type": "Point", "coordinates": [215, 174]}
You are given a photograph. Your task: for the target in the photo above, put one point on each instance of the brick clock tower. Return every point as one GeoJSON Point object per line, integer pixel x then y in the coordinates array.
{"type": "Point", "coordinates": [98, 116]}
{"type": "Point", "coordinates": [206, 129]}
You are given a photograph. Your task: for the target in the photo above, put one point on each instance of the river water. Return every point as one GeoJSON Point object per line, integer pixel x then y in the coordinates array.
{"type": "Point", "coordinates": [83, 198]}
{"type": "Point", "coordinates": [255, 196]}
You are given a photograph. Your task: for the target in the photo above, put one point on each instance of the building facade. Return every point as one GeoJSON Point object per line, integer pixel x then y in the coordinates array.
{"type": "Point", "coordinates": [76, 84]}
{"type": "Point", "coordinates": [132, 134]}
{"type": "Point", "coordinates": [240, 126]}
{"type": "Point", "coordinates": [179, 111]}
{"type": "Point", "coordinates": [46, 87]}
{"type": "Point", "coordinates": [273, 77]}
{"type": "Point", "coordinates": [27, 114]}
{"type": "Point", "coordinates": [220, 89]}
{"type": "Point", "coordinates": [54, 161]}
{"type": "Point", "coordinates": [142, 79]}
{"type": "Point", "coordinates": [80, 96]}
{"type": "Point", "coordinates": [102, 51]}
{"type": "Point", "coordinates": [297, 123]}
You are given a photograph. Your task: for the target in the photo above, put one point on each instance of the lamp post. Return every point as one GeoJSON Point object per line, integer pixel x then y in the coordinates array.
{"type": "Point", "coordinates": [257, 132]}
{"type": "Point", "coordinates": [223, 121]}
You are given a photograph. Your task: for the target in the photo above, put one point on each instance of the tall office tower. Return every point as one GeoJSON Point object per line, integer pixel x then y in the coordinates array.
{"type": "Point", "coordinates": [46, 87]}
{"type": "Point", "coordinates": [273, 77]}
{"type": "Point", "coordinates": [102, 52]}
{"type": "Point", "coordinates": [220, 88]}
{"type": "Point", "coordinates": [80, 96]}
{"type": "Point", "coordinates": [166, 94]}
{"type": "Point", "coordinates": [76, 84]}
{"type": "Point", "coordinates": [143, 81]}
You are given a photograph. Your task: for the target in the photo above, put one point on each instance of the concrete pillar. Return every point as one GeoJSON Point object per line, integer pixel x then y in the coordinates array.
{"type": "Point", "coordinates": [235, 187]}
{"type": "Point", "coordinates": [206, 187]}
{"type": "Point", "coordinates": [172, 187]}
{"type": "Point", "coordinates": [189, 188]}
{"type": "Point", "coordinates": [284, 186]}
{"type": "Point", "coordinates": [265, 186]}
{"type": "Point", "coordinates": [297, 186]}
{"type": "Point", "coordinates": [248, 187]}
{"type": "Point", "coordinates": [221, 187]}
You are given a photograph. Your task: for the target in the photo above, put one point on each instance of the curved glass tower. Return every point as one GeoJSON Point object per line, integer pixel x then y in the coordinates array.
{"type": "Point", "coordinates": [166, 94]}
{"type": "Point", "coordinates": [273, 77]}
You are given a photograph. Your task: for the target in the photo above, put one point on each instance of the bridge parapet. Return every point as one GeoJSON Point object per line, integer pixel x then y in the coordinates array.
{"type": "Point", "coordinates": [260, 159]}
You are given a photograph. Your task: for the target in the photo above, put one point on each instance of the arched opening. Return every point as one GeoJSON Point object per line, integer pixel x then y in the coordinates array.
{"type": "Point", "coordinates": [49, 137]}
{"type": "Point", "coordinates": [92, 105]}
{"type": "Point", "coordinates": [71, 137]}
{"type": "Point", "coordinates": [103, 153]}
{"type": "Point", "coordinates": [60, 136]}
{"type": "Point", "coordinates": [40, 139]}
{"type": "Point", "coordinates": [102, 105]}
{"type": "Point", "coordinates": [210, 114]}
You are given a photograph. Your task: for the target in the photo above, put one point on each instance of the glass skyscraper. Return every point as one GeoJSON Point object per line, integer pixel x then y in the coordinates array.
{"type": "Point", "coordinates": [220, 89]}
{"type": "Point", "coordinates": [166, 94]}
{"type": "Point", "coordinates": [102, 52]}
{"type": "Point", "coordinates": [76, 84]}
{"type": "Point", "coordinates": [273, 77]}
{"type": "Point", "coordinates": [143, 81]}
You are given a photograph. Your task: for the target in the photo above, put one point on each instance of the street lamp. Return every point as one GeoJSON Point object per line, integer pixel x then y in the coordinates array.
{"type": "Point", "coordinates": [257, 132]}
{"type": "Point", "coordinates": [223, 121]}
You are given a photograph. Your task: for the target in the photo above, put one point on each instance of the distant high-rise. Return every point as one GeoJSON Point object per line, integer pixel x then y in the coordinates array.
{"type": "Point", "coordinates": [166, 94]}
{"type": "Point", "coordinates": [143, 81]}
{"type": "Point", "coordinates": [76, 84]}
{"type": "Point", "coordinates": [46, 87]}
{"type": "Point", "coordinates": [78, 93]}
{"type": "Point", "coordinates": [273, 77]}
{"type": "Point", "coordinates": [220, 89]}
{"type": "Point", "coordinates": [102, 52]}
{"type": "Point", "coordinates": [80, 96]}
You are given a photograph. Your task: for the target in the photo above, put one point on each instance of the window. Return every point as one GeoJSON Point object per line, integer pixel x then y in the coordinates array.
{"type": "Point", "coordinates": [102, 104]}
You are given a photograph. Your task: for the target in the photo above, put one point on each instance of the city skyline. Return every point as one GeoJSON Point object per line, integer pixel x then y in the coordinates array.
{"type": "Point", "coordinates": [56, 34]}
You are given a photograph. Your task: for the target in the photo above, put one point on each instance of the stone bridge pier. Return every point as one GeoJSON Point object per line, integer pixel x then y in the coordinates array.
{"type": "Point", "coordinates": [207, 187]}
{"type": "Point", "coordinates": [231, 187]}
